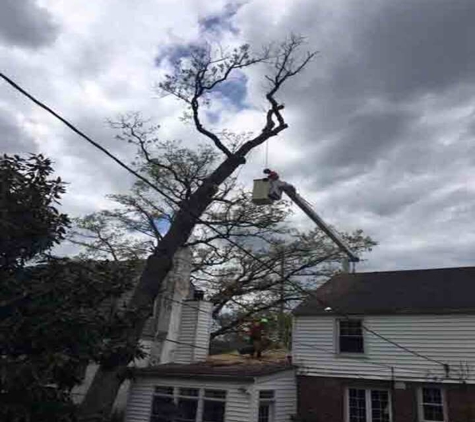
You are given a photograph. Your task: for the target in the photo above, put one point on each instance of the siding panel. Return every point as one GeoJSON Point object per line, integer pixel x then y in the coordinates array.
{"type": "Point", "coordinates": [194, 332]}
{"type": "Point", "coordinates": [285, 387]}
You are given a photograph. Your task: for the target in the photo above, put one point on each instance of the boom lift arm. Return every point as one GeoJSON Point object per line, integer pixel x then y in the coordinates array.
{"type": "Point", "coordinates": [268, 190]}
{"type": "Point", "coordinates": [305, 207]}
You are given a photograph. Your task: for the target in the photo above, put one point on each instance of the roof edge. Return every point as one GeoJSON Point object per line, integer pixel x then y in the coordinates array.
{"type": "Point", "coordinates": [161, 373]}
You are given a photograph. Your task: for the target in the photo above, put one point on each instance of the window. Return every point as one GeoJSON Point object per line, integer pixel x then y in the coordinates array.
{"type": "Point", "coordinates": [163, 406]}
{"type": "Point", "coordinates": [266, 406]}
{"type": "Point", "coordinates": [431, 404]}
{"type": "Point", "coordinates": [174, 404]}
{"type": "Point", "coordinates": [214, 405]}
{"type": "Point", "coordinates": [379, 406]}
{"type": "Point", "coordinates": [368, 405]}
{"type": "Point", "coordinates": [187, 404]}
{"type": "Point", "coordinates": [350, 336]}
{"type": "Point", "coordinates": [357, 405]}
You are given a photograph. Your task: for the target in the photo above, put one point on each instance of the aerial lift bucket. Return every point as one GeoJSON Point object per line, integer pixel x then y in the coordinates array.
{"type": "Point", "coordinates": [260, 192]}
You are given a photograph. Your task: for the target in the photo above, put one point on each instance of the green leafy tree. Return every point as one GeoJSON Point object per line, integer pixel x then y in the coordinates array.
{"type": "Point", "coordinates": [29, 222]}
{"type": "Point", "coordinates": [56, 315]}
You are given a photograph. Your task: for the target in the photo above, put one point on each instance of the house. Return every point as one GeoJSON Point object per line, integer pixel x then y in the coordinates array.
{"type": "Point", "coordinates": [394, 346]}
{"type": "Point", "coordinates": [195, 387]}
{"type": "Point", "coordinates": [234, 389]}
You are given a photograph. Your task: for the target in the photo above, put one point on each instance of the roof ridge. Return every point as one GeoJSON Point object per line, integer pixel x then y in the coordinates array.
{"type": "Point", "coordinates": [408, 271]}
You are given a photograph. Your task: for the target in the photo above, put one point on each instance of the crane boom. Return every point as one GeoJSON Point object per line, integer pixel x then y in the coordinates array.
{"type": "Point", "coordinates": [270, 189]}
{"type": "Point", "coordinates": [303, 205]}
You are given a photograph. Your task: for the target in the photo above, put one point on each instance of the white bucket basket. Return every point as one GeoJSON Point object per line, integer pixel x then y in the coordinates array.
{"type": "Point", "coordinates": [260, 192]}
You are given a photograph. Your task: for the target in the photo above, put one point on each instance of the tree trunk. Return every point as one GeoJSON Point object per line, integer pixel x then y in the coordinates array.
{"type": "Point", "coordinates": [101, 394]}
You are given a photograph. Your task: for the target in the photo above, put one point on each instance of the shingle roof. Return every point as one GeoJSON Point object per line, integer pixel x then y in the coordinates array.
{"type": "Point", "coordinates": [432, 291]}
{"type": "Point", "coordinates": [227, 367]}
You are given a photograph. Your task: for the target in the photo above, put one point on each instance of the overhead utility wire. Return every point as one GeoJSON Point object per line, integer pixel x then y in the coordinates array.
{"type": "Point", "coordinates": [194, 346]}
{"type": "Point", "coordinates": [309, 345]}
{"type": "Point", "coordinates": [197, 218]}
{"type": "Point", "coordinates": [365, 362]}
{"type": "Point", "coordinates": [313, 346]}
{"type": "Point", "coordinates": [82, 134]}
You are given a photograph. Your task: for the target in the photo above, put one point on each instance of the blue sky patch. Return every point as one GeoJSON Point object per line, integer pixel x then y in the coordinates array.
{"type": "Point", "coordinates": [175, 53]}
{"type": "Point", "coordinates": [213, 117]}
{"type": "Point", "coordinates": [162, 225]}
{"type": "Point", "coordinates": [222, 21]}
{"type": "Point", "coordinates": [234, 90]}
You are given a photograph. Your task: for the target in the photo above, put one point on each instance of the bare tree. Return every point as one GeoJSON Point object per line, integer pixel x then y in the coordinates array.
{"type": "Point", "coordinates": [193, 82]}
{"type": "Point", "coordinates": [249, 288]}
{"type": "Point", "coordinates": [136, 226]}
{"type": "Point", "coordinates": [234, 282]}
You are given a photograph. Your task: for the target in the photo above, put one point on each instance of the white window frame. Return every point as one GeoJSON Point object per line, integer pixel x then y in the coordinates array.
{"type": "Point", "coordinates": [367, 401]}
{"type": "Point", "coordinates": [337, 337]}
{"type": "Point", "coordinates": [420, 404]}
{"type": "Point", "coordinates": [200, 398]}
{"type": "Point", "coordinates": [270, 401]}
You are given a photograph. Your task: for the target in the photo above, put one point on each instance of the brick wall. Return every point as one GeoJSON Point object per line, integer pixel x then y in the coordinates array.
{"type": "Point", "coordinates": [322, 399]}
{"type": "Point", "coordinates": [461, 403]}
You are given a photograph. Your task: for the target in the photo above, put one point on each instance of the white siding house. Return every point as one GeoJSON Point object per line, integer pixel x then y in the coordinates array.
{"type": "Point", "coordinates": [388, 346]}
{"type": "Point", "coordinates": [200, 388]}
{"type": "Point", "coordinates": [449, 339]}
{"type": "Point", "coordinates": [245, 395]}
{"type": "Point", "coordinates": [242, 389]}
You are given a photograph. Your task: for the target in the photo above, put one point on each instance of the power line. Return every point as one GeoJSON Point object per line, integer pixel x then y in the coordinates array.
{"type": "Point", "coordinates": [197, 218]}
{"type": "Point", "coordinates": [334, 353]}
{"type": "Point", "coordinates": [365, 362]}
{"type": "Point", "coordinates": [183, 303]}
{"type": "Point", "coordinates": [194, 346]}
{"type": "Point", "coordinates": [313, 346]}
{"type": "Point", "coordinates": [82, 134]}
{"type": "Point", "coordinates": [346, 316]}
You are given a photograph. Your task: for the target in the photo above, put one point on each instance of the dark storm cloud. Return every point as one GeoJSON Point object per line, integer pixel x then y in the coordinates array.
{"type": "Point", "coordinates": [406, 48]}
{"type": "Point", "coordinates": [384, 124]}
{"type": "Point", "coordinates": [393, 53]}
{"type": "Point", "coordinates": [13, 139]}
{"type": "Point", "coordinates": [366, 137]}
{"type": "Point", "coordinates": [25, 24]}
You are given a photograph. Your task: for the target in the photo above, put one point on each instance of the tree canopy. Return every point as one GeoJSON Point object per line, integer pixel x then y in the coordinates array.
{"type": "Point", "coordinates": [56, 315]}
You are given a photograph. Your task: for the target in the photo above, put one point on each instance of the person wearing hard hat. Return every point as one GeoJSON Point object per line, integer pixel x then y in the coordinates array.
{"type": "Point", "coordinates": [255, 336]}
{"type": "Point", "coordinates": [274, 190]}
{"type": "Point", "coordinates": [276, 185]}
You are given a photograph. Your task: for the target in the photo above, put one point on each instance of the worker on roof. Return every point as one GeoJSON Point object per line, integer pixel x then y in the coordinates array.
{"type": "Point", "coordinates": [256, 336]}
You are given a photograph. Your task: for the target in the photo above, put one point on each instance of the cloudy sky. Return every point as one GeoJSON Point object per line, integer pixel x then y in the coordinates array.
{"type": "Point", "coordinates": [382, 123]}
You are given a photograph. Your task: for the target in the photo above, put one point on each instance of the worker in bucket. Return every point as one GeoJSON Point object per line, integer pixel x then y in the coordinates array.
{"type": "Point", "coordinates": [276, 185]}
{"type": "Point", "coordinates": [256, 336]}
